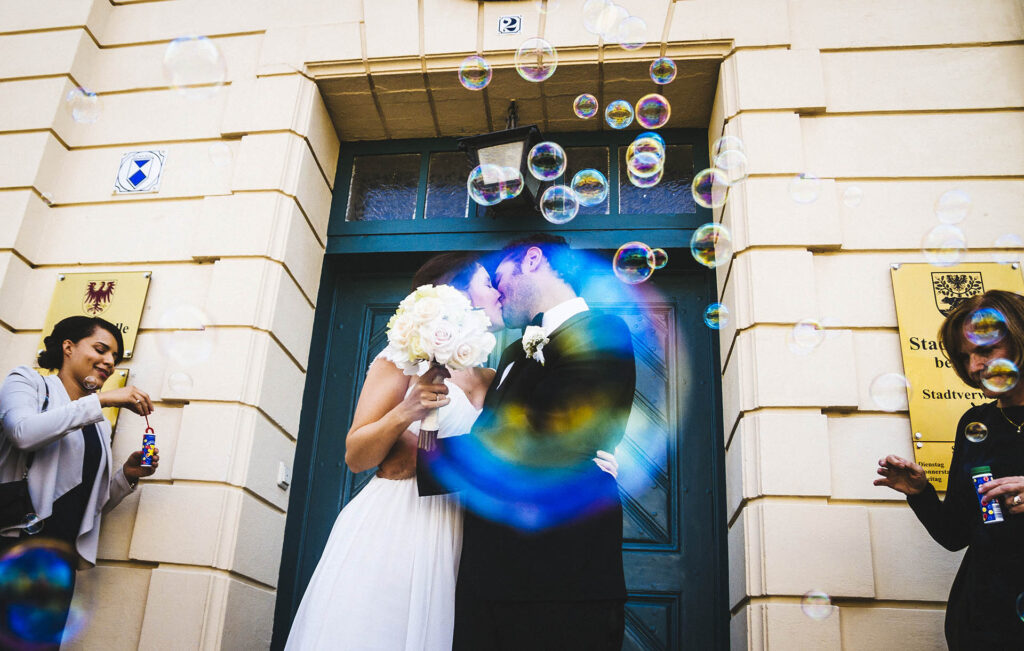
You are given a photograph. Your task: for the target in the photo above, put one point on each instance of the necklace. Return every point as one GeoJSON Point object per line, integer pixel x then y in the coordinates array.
{"type": "Point", "coordinates": [1019, 426]}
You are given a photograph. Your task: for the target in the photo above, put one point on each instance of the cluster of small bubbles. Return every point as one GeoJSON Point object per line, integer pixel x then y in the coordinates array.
{"type": "Point", "coordinates": [194, 66]}
{"type": "Point", "coordinates": [220, 154]}
{"type": "Point", "coordinates": [726, 143]}
{"type": "Point", "coordinates": [733, 163]}
{"type": "Point", "coordinates": [632, 33]}
{"type": "Point", "coordinates": [511, 182]}
{"type": "Point", "coordinates": [91, 383]}
{"type": "Point", "coordinates": [716, 316]}
{"type": "Point", "coordinates": [644, 182]}
{"type": "Point", "coordinates": [653, 111]}
{"type": "Point", "coordinates": [660, 258]}
{"type": "Point", "coordinates": [32, 524]}
{"type": "Point", "coordinates": [484, 184]}
{"type": "Point", "coordinates": [985, 326]}
{"type": "Point", "coordinates": [179, 382]}
{"type": "Point", "coordinates": [889, 392]}
{"type": "Point", "coordinates": [1000, 375]}
{"type": "Point", "coordinates": [710, 187]}
{"type": "Point", "coordinates": [663, 70]}
{"type": "Point", "coordinates": [559, 204]}
{"type": "Point", "coordinates": [817, 605]}
{"type": "Point", "coordinates": [1009, 248]}
{"type": "Point", "coordinates": [805, 336]}
{"type": "Point", "coordinates": [976, 432]}
{"type": "Point", "coordinates": [852, 196]}
{"type": "Point", "coordinates": [37, 580]}
{"type": "Point", "coordinates": [536, 60]}
{"type": "Point", "coordinates": [619, 114]}
{"type": "Point", "coordinates": [711, 245]}
{"type": "Point", "coordinates": [590, 186]}
{"type": "Point", "coordinates": [805, 188]}
{"type": "Point", "coordinates": [184, 336]}
{"type": "Point", "coordinates": [944, 245]}
{"type": "Point", "coordinates": [475, 72]}
{"type": "Point", "coordinates": [585, 106]}
{"type": "Point", "coordinates": [546, 161]}
{"type": "Point", "coordinates": [633, 263]}
{"type": "Point", "coordinates": [85, 105]}
{"type": "Point", "coordinates": [953, 206]}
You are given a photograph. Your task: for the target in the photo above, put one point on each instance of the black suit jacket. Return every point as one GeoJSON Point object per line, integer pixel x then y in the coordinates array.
{"type": "Point", "coordinates": [542, 521]}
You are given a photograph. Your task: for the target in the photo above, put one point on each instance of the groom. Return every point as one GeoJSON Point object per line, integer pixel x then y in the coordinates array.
{"type": "Point", "coordinates": [541, 563]}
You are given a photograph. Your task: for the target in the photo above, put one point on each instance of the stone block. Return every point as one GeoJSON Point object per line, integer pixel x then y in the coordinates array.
{"type": "Point", "coordinates": [761, 212]}
{"type": "Point", "coordinates": [178, 609]}
{"type": "Point", "coordinates": [116, 528]}
{"type": "Point", "coordinates": [447, 27]}
{"type": "Point", "coordinates": [702, 20]}
{"type": "Point", "coordinates": [48, 14]}
{"type": "Point", "coordinates": [112, 601]}
{"type": "Point", "coordinates": [392, 29]}
{"type": "Point", "coordinates": [909, 565]}
{"type": "Point", "coordinates": [772, 142]}
{"type": "Point", "coordinates": [40, 54]}
{"type": "Point", "coordinates": [867, 277]}
{"type": "Point", "coordinates": [773, 286]}
{"type": "Point", "coordinates": [877, 352]}
{"type": "Point", "coordinates": [258, 541]}
{"type": "Point", "coordinates": [856, 443]}
{"type": "Point", "coordinates": [773, 79]}
{"type": "Point", "coordinates": [784, 453]}
{"type": "Point", "coordinates": [909, 629]}
{"type": "Point", "coordinates": [32, 104]}
{"type": "Point", "coordinates": [248, 617]}
{"type": "Point", "coordinates": [186, 524]}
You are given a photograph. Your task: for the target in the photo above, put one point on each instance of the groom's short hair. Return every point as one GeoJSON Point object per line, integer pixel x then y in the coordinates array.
{"type": "Point", "coordinates": [563, 259]}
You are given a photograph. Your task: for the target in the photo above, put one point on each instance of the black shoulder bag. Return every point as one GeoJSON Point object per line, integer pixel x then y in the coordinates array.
{"type": "Point", "coordinates": [15, 502]}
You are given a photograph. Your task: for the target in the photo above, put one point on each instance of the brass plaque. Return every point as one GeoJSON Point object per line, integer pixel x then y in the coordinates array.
{"type": "Point", "coordinates": [937, 398]}
{"type": "Point", "coordinates": [117, 380]}
{"type": "Point", "coordinates": [117, 297]}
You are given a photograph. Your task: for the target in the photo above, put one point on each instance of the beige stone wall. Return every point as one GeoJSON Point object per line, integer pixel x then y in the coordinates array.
{"type": "Point", "coordinates": [902, 99]}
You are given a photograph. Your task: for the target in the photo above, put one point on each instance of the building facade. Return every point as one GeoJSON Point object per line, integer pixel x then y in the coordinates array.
{"type": "Point", "coordinates": [251, 222]}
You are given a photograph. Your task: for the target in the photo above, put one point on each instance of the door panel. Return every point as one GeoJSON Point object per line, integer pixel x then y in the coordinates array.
{"type": "Point", "coordinates": [669, 460]}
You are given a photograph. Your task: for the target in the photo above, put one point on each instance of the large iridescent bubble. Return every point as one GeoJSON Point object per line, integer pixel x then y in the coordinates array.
{"type": "Point", "coordinates": [985, 327]}
{"type": "Point", "coordinates": [37, 579]}
{"type": "Point", "coordinates": [711, 245]}
{"type": "Point", "coordinates": [632, 33]}
{"type": "Point", "coordinates": [618, 114]}
{"type": "Point", "coordinates": [663, 71]}
{"type": "Point", "coordinates": [194, 66]}
{"type": "Point", "coordinates": [475, 73]}
{"type": "Point", "coordinates": [944, 245]}
{"type": "Point", "coordinates": [546, 161]}
{"type": "Point", "coordinates": [484, 184]}
{"type": "Point", "coordinates": [536, 60]}
{"type": "Point", "coordinates": [633, 263]}
{"type": "Point", "coordinates": [653, 111]}
{"type": "Point", "coordinates": [585, 106]}
{"type": "Point", "coordinates": [710, 187]}
{"type": "Point", "coordinates": [559, 204]}
{"type": "Point", "coordinates": [590, 186]}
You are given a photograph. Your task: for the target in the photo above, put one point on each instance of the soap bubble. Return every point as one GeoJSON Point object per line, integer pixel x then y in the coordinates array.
{"type": "Point", "coordinates": [37, 580]}
{"type": "Point", "coordinates": [805, 188]}
{"type": "Point", "coordinates": [585, 106]}
{"type": "Point", "coordinates": [593, 12]}
{"type": "Point", "coordinates": [536, 60]}
{"type": "Point", "coordinates": [644, 181]}
{"type": "Point", "coordinates": [484, 184]}
{"type": "Point", "coordinates": [725, 143]}
{"type": "Point", "coordinates": [220, 154]}
{"type": "Point", "coordinates": [663, 70]}
{"type": "Point", "coordinates": [710, 187]}
{"type": "Point", "coordinates": [651, 134]}
{"type": "Point", "coordinates": [590, 186]}
{"type": "Point", "coordinates": [660, 258]}
{"type": "Point", "coordinates": [1010, 246]}
{"type": "Point", "coordinates": [734, 163]}
{"type": "Point", "coordinates": [633, 262]}
{"type": "Point", "coordinates": [85, 105]}
{"type": "Point", "coordinates": [852, 196]}
{"type": "Point", "coordinates": [985, 327]}
{"type": "Point", "coordinates": [716, 316]}
{"type": "Point", "coordinates": [512, 184]}
{"type": "Point", "coordinates": [559, 204]}
{"type": "Point", "coordinates": [179, 382]}
{"type": "Point", "coordinates": [618, 114]}
{"type": "Point", "coordinates": [548, 6]}
{"type": "Point", "coordinates": [91, 383]}
{"type": "Point", "coordinates": [32, 524]}
{"type": "Point", "coordinates": [711, 245]}
{"type": "Point", "coordinates": [645, 157]}
{"type": "Point", "coordinates": [805, 336]}
{"type": "Point", "coordinates": [1000, 375]}
{"type": "Point", "coordinates": [475, 73]}
{"type": "Point", "coordinates": [889, 392]}
{"type": "Point", "coordinates": [646, 144]}
{"type": "Point", "coordinates": [610, 21]}
{"type": "Point", "coordinates": [976, 432]}
{"type": "Point", "coordinates": [546, 161]}
{"type": "Point", "coordinates": [193, 66]}
{"type": "Point", "coordinates": [184, 335]}
{"type": "Point", "coordinates": [953, 206]}
{"type": "Point", "coordinates": [944, 245]}
{"type": "Point", "coordinates": [632, 33]}
{"type": "Point", "coordinates": [817, 605]}
{"type": "Point", "coordinates": [653, 111]}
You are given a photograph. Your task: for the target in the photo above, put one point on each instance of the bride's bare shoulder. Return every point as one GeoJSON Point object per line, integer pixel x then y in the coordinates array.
{"type": "Point", "coordinates": [484, 375]}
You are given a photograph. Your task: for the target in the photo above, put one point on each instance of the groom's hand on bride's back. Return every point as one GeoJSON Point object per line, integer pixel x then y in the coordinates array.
{"type": "Point", "coordinates": [401, 460]}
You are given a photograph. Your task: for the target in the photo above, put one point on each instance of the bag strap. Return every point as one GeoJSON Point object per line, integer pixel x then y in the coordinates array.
{"type": "Point", "coordinates": [32, 455]}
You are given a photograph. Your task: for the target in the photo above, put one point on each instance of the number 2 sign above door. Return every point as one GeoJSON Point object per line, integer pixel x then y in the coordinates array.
{"type": "Point", "coordinates": [510, 24]}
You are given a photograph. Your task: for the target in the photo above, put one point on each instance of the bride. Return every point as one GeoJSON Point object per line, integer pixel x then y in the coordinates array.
{"type": "Point", "coordinates": [386, 579]}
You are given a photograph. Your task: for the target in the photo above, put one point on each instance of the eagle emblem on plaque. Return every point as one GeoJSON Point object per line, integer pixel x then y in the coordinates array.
{"type": "Point", "coordinates": [953, 288]}
{"type": "Point", "coordinates": [98, 294]}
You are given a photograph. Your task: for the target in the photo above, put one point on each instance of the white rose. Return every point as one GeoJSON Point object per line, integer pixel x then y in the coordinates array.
{"type": "Point", "coordinates": [427, 309]}
{"type": "Point", "coordinates": [439, 339]}
{"type": "Point", "coordinates": [400, 329]}
{"type": "Point", "coordinates": [464, 356]}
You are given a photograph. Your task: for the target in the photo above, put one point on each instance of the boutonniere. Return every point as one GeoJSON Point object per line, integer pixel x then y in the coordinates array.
{"type": "Point", "coordinates": [534, 339]}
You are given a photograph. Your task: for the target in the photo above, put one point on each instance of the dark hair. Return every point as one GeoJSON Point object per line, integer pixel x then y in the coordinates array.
{"type": "Point", "coordinates": [951, 332]}
{"type": "Point", "coordinates": [563, 260]}
{"type": "Point", "coordinates": [75, 328]}
{"type": "Point", "coordinates": [455, 268]}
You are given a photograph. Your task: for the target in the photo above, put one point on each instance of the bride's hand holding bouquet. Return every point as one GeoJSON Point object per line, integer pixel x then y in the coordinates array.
{"type": "Point", "coordinates": [436, 327]}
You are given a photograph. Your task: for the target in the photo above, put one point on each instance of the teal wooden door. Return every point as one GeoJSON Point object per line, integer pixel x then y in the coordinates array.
{"type": "Point", "coordinates": [670, 461]}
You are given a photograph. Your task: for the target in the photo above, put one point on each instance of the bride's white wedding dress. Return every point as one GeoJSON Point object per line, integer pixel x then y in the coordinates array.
{"type": "Point", "coordinates": [386, 580]}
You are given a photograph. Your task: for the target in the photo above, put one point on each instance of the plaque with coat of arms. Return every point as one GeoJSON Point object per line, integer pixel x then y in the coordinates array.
{"type": "Point", "coordinates": [117, 297]}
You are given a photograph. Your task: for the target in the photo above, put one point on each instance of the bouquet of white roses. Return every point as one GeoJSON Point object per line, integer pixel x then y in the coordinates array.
{"type": "Point", "coordinates": [437, 326]}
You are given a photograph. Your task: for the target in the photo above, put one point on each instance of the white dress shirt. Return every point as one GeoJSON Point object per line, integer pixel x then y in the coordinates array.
{"type": "Point", "coordinates": [554, 318]}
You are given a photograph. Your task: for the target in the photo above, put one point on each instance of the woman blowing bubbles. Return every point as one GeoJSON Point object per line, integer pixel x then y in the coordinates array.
{"type": "Point", "coordinates": [986, 604]}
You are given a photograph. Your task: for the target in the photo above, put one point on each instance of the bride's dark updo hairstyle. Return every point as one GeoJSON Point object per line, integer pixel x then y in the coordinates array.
{"type": "Point", "coordinates": [75, 328]}
{"type": "Point", "coordinates": [456, 268]}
